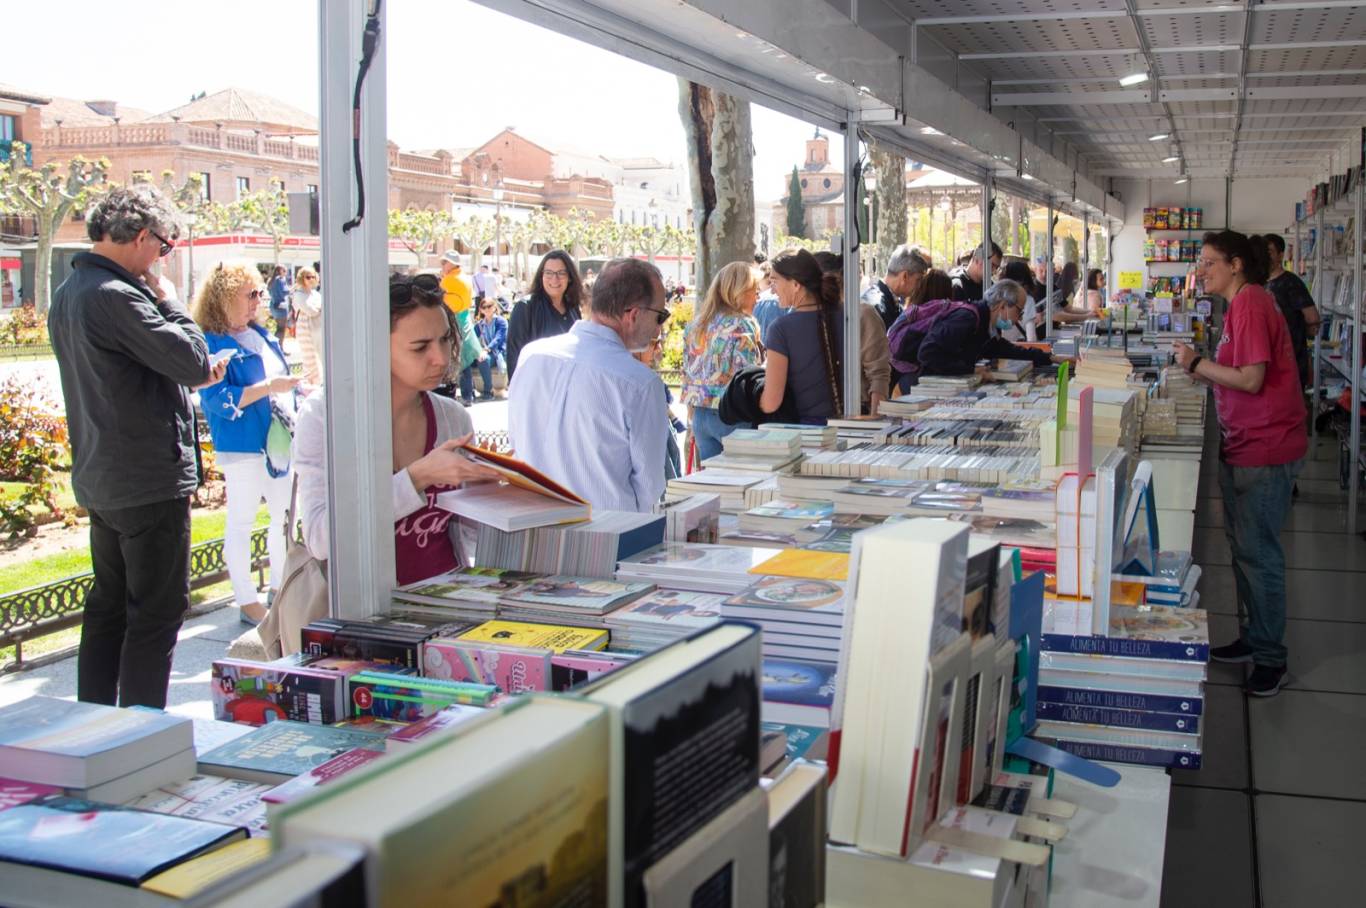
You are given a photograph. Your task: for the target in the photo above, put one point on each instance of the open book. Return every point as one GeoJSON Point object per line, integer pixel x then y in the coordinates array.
{"type": "Point", "coordinates": [529, 499]}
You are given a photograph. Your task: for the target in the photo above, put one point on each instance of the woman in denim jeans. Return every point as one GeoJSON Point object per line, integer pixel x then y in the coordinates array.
{"type": "Point", "coordinates": [722, 339]}
{"type": "Point", "coordinates": [1262, 444]}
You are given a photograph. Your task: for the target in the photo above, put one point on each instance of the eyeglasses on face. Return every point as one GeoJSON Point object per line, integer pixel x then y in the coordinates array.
{"type": "Point", "coordinates": [1203, 262]}
{"type": "Point", "coordinates": [166, 246]}
{"type": "Point", "coordinates": [661, 315]}
{"type": "Point", "coordinates": [254, 295]}
{"type": "Point", "coordinates": [550, 275]}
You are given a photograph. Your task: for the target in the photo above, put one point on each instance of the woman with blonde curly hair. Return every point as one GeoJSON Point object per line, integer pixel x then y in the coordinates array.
{"type": "Point", "coordinates": [722, 339]}
{"type": "Point", "coordinates": [239, 410]}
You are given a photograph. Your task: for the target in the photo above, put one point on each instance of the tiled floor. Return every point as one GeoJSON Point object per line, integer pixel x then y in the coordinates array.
{"type": "Point", "coordinates": [1274, 818]}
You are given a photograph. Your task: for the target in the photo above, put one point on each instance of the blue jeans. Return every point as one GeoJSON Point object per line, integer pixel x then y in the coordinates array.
{"type": "Point", "coordinates": [486, 367]}
{"type": "Point", "coordinates": [708, 430]}
{"type": "Point", "coordinates": [467, 384]}
{"type": "Point", "coordinates": [1256, 502]}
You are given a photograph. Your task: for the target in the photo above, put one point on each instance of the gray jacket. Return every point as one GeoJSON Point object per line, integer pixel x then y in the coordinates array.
{"type": "Point", "coordinates": [126, 360]}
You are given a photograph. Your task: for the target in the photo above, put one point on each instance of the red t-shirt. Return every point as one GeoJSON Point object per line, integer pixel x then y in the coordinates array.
{"type": "Point", "coordinates": [422, 543]}
{"type": "Point", "coordinates": [1266, 428]}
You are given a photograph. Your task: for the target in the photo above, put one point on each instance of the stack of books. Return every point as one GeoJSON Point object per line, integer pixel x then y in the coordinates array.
{"type": "Point", "coordinates": [661, 617]}
{"type": "Point", "coordinates": [728, 486]}
{"type": "Point", "coordinates": [773, 443]}
{"type": "Point", "coordinates": [993, 464]}
{"type": "Point", "coordinates": [1134, 695]}
{"type": "Point", "coordinates": [949, 383]}
{"type": "Point", "coordinates": [721, 569]}
{"type": "Point", "coordinates": [801, 617]}
{"type": "Point", "coordinates": [560, 597]}
{"type": "Point", "coordinates": [783, 516]}
{"type": "Point", "coordinates": [692, 519]}
{"type": "Point", "coordinates": [471, 593]}
{"type": "Point", "coordinates": [1103, 367]}
{"type": "Point", "coordinates": [587, 549]}
{"type": "Point", "coordinates": [1011, 369]}
{"type": "Point", "coordinates": [812, 436]}
{"type": "Point", "coordinates": [1115, 418]}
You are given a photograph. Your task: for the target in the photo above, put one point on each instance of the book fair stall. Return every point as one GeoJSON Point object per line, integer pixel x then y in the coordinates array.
{"type": "Point", "coordinates": [945, 654]}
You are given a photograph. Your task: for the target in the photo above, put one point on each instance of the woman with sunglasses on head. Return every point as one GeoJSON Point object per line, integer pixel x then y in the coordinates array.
{"type": "Point", "coordinates": [492, 329]}
{"type": "Point", "coordinates": [557, 293]}
{"type": "Point", "coordinates": [722, 339]}
{"type": "Point", "coordinates": [239, 410]}
{"type": "Point", "coordinates": [428, 432]}
{"type": "Point", "coordinates": [1262, 446]}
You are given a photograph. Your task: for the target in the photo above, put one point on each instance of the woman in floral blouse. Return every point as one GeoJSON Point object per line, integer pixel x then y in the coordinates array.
{"type": "Point", "coordinates": [722, 339]}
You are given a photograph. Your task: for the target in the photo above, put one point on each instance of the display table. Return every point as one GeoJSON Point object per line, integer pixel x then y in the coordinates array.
{"type": "Point", "coordinates": [1115, 845]}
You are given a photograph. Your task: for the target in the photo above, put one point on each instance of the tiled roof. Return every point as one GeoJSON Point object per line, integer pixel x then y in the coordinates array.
{"type": "Point", "coordinates": [241, 108]}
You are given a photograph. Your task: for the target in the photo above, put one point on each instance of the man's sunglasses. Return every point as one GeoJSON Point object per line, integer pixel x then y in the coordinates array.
{"type": "Point", "coordinates": [661, 315]}
{"type": "Point", "coordinates": [166, 247]}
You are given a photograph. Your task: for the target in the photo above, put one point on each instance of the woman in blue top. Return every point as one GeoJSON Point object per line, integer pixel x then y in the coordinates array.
{"type": "Point", "coordinates": [492, 330]}
{"type": "Point", "coordinates": [238, 410]}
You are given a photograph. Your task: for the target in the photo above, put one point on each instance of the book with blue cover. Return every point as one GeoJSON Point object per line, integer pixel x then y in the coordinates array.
{"type": "Point", "coordinates": [1121, 753]}
{"type": "Point", "coordinates": [120, 844]}
{"type": "Point", "coordinates": [798, 691]}
{"type": "Point", "coordinates": [1138, 632]}
{"type": "Point", "coordinates": [1121, 699]}
{"type": "Point", "coordinates": [1120, 718]}
{"type": "Point", "coordinates": [80, 745]}
{"type": "Point", "coordinates": [278, 751]}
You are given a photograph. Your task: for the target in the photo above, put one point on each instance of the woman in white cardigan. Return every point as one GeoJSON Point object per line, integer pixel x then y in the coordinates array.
{"type": "Point", "coordinates": [428, 432]}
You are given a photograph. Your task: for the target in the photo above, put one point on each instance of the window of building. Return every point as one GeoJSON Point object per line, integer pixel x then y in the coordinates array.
{"type": "Point", "coordinates": [6, 128]}
{"type": "Point", "coordinates": [243, 186]}
{"type": "Point", "coordinates": [827, 182]}
{"type": "Point", "coordinates": [205, 185]}
{"type": "Point", "coordinates": [312, 188]}
{"type": "Point", "coordinates": [803, 183]}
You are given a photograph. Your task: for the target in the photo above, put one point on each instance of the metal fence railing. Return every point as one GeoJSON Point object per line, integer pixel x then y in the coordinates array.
{"type": "Point", "coordinates": [26, 351]}
{"type": "Point", "coordinates": [41, 610]}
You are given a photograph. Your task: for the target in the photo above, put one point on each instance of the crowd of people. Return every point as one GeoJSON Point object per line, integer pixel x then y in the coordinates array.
{"type": "Point", "coordinates": [586, 407]}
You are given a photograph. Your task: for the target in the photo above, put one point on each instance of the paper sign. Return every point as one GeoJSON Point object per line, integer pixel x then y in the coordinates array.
{"type": "Point", "coordinates": [1131, 280]}
{"type": "Point", "coordinates": [1162, 304]}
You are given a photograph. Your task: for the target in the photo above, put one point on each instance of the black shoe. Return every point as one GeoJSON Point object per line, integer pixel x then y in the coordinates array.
{"type": "Point", "coordinates": [1295, 490]}
{"type": "Point", "coordinates": [1237, 651]}
{"type": "Point", "coordinates": [1265, 680]}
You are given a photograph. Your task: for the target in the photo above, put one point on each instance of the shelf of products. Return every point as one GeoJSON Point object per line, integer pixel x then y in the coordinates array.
{"type": "Point", "coordinates": [1173, 218]}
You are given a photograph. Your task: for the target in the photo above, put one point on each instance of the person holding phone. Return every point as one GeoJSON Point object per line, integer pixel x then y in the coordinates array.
{"type": "Point", "coordinates": [129, 354]}
{"type": "Point", "coordinates": [256, 391]}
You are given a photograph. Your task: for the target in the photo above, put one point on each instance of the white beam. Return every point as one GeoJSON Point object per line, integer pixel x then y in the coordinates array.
{"type": "Point", "coordinates": [1045, 98]}
{"type": "Point", "coordinates": [356, 331]}
{"type": "Point", "coordinates": [1296, 45]}
{"type": "Point", "coordinates": [1305, 92]}
{"type": "Point", "coordinates": [1163, 12]}
{"type": "Point", "coordinates": [1169, 95]}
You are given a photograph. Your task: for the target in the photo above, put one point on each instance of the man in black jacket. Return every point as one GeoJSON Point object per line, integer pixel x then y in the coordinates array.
{"type": "Point", "coordinates": [127, 352]}
{"type": "Point", "coordinates": [959, 339]}
{"type": "Point", "coordinates": [967, 279]}
{"type": "Point", "coordinates": [905, 270]}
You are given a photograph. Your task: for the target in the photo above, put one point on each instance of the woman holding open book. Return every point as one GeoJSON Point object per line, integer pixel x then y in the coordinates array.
{"type": "Point", "coordinates": [722, 339]}
{"type": "Point", "coordinates": [1262, 444]}
{"type": "Point", "coordinates": [428, 432]}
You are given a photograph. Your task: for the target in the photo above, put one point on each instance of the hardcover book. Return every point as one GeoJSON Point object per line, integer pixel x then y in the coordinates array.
{"type": "Point", "coordinates": [512, 669]}
{"type": "Point", "coordinates": [572, 668]}
{"type": "Point", "coordinates": [407, 698]}
{"type": "Point", "coordinates": [79, 745]}
{"type": "Point", "coordinates": [471, 584]}
{"type": "Point", "coordinates": [555, 637]}
{"type": "Point", "coordinates": [254, 693]}
{"type": "Point", "coordinates": [579, 594]}
{"type": "Point", "coordinates": [1138, 632]}
{"type": "Point", "coordinates": [1118, 699]}
{"type": "Point", "coordinates": [1119, 718]}
{"type": "Point", "coordinates": [279, 751]}
{"type": "Point", "coordinates": [796, 838]}
{"type": "Point", "coordinates": [120, 844]}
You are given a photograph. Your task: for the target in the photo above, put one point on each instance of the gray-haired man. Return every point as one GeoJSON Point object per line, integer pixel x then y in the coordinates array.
{"type": "Point", "coordinates": [127, 352]}
{"type": "Point", "coordinates": [905, 270]}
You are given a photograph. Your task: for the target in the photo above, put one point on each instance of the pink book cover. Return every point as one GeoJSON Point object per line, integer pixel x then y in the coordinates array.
{"type": "Point", "coordinates": [13, 792]}
{"type": "Point", "coordinates": [334, 768]}
{"type": "Point", "coordinates": [513, 669]}
{"type": "Point", "coordinates": [423, 729]}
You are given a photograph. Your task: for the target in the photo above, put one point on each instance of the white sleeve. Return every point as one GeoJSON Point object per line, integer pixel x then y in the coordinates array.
{"type": "Point", "coordinates": [453, 421]}
{"type": "Point", "coordinates": [309, 456]}
{"type": "Point", "coordinates": [648, 430]}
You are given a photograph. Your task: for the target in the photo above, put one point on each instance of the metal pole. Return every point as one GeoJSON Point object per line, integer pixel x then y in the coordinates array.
{"type": "Point", "coordinates": [853, 370]}
{"type": "Point", "coordinates": [1354, 449]}
{"type": "Point", "coordinates": [1085, 252]}
{"type": "Point", "coordinates": [1048, 270]}
{"type": "Point", "coordinates": [1318, 346]}
{"type": "Point", "coordinates": [356, 331]}
{"type": "Point", "coordinates": [986, 234]}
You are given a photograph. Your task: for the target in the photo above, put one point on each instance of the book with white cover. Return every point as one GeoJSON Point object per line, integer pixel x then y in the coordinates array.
{"type": "Point", "coordinates": [723, 863]}
{"type": "Point", "coordinates": [510, 508]}
{"type": "Point", "coordinates": [892, 631]}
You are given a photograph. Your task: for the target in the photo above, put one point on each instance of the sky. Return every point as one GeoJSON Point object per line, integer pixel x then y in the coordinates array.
{"type": "Point", "coordinates": [458, 73]}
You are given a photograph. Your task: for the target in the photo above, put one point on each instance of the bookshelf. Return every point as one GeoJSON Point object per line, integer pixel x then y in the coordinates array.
{"type": "Point", "coordinates": [1339, 300]}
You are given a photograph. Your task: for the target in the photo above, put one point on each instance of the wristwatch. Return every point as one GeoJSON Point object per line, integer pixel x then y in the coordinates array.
{"type": "Point", "coordinates": [1194, 363]}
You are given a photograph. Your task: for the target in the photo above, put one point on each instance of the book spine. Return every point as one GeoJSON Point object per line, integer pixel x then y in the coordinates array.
{"type": "Point", "coordinates": [1119, 718]}
{"type": "Point", "coordinates": [1106, 699]}
{"type": "Point", "coordinates": [1122, 646]}
{"type": "Point", "coordinates": [1145, 756]}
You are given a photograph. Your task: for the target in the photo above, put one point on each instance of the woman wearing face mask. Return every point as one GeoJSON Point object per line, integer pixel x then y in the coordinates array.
{"type": "Point", "coordinates": [972, 332]}
{"type": "Point", "coordinates": [428, 432]}
{"type": "Point", "coordinates": [1260, 403]}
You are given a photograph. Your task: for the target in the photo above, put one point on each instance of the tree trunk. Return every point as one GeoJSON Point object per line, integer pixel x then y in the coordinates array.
{"type": "Point", "coordinates": [721, 170]}
{"type": "Point", "coordinates": [890, 169]}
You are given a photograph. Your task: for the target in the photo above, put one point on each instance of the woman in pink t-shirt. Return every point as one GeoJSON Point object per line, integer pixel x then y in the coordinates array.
{"type": "Point", "coordinates": [428, 432]}
{"type": "Point", "coordinates": [1260, 403]}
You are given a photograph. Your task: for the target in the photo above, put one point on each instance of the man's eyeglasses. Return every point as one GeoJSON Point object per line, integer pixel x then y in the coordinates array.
{"type": "Point", "coordinates": [661, 315]}
{"type": "Point", "coordinates": [166, 247]}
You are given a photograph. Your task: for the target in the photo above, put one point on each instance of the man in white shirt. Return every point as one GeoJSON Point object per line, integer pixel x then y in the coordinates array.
{"type": "Point", "coordinates": [583, 410]}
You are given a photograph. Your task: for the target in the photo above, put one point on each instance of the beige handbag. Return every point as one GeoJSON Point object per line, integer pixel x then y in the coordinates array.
{"type": "Point", "coordinates": [302, 595]}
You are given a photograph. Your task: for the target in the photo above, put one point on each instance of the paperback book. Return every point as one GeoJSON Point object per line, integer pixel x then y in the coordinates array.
{"type": "Point", "coordinates": [279, 751]}
{"type": "Point", "coordinates": [215, 799]}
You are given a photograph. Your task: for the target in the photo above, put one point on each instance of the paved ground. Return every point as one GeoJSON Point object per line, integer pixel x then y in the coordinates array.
{"type": "Point", "coordinates": [202, 640]}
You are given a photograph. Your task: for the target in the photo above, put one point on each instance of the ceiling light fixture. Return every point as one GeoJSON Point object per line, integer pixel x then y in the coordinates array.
{"type": "Point", "coordinates": [1183, 180]}
{"type": "Point", "coordinates": [930, 131]}
{"type": "Point", "coordinates": [1133, 79]}
{"type": "Point", "coordinates": [1171, 160]}
{"type": "Point", "coordinates": [1159, 137]}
